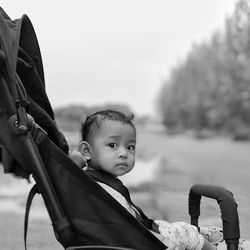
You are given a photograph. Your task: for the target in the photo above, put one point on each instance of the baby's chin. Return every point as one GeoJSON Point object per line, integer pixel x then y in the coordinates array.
{"type": "Point", "coordinates": [121, 172]}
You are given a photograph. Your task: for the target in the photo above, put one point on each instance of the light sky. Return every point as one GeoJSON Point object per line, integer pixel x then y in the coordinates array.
{"type": "Point", "coordinates": [116, 51]}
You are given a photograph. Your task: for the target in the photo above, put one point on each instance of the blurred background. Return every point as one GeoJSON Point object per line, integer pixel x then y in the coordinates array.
{"type": "Point", "coordinates": [181, 67]}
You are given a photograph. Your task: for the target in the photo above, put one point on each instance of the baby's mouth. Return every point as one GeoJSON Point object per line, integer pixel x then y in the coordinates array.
{"type": "Point", "coordinates": [122, 164]}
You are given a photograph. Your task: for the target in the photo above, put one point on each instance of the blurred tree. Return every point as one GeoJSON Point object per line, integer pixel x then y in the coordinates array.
{"type": "Point", "coordinates": [69, 118]}
{"type": "Point", "coordinates": [210, 89]}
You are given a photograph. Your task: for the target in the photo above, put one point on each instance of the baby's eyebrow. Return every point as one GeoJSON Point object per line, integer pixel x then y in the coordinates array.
{"type": "Point", "coordinates": [133, 140]}
{"type": "Point", "coordinates": [113, 136]}
{"type": "Point", "coordinates": [117, 137]}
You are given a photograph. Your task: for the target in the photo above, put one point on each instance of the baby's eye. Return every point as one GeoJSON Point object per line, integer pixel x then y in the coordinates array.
{"type": "Point", "coordinates": [112, 145]}
{"type": "Point", "coordinates": [131, 147]}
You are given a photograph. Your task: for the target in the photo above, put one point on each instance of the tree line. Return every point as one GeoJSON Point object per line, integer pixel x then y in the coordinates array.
{"type": "Point", "coordinates": [210, 89]}
{"type": "Point", "coordinates": [69, 118]}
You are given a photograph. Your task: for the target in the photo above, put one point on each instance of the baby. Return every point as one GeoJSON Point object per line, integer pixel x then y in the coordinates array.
{"type": "Point", "coordinates": [107, 147]}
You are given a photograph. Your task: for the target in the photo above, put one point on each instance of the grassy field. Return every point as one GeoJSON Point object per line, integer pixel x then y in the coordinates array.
{"type": "Point", "coordinates": [181, 162]}
{"type": "Point", "coordinates": [186, 161]}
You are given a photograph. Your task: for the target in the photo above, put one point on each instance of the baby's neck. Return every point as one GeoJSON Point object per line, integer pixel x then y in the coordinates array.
{"type": "Point", "coordinates": [100, 170]}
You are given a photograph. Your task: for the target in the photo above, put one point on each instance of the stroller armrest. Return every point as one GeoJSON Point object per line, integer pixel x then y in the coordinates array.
{"type": "Point", "coordinates": [228, 207]}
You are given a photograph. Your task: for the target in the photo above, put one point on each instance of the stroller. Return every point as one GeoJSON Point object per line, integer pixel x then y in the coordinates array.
{"type": "Point", "coordinates": [33, 145]}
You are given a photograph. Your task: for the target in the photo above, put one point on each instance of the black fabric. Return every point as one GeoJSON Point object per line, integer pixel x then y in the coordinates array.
{"type": "Point", "coordinates": [23, 60]}
{"type": "Point", "coordinates": [117, 184]}
{"type": "Point", "coordinates": [21, 66]}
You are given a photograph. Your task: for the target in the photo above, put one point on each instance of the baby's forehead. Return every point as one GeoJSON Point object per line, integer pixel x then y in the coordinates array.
{"type": "Point", "coordinates": [114, 127]}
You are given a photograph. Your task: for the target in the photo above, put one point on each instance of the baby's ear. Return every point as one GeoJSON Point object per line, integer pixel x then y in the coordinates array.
{"type": "Point", "coordinates": [84, 149]}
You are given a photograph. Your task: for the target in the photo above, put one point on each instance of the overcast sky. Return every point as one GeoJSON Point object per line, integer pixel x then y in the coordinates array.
{"type": "Point", "coordinates": [109, 51]}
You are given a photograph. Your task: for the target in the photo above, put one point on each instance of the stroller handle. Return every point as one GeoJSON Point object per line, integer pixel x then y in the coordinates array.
{"type": "Point", "coordinates": [228, 207]}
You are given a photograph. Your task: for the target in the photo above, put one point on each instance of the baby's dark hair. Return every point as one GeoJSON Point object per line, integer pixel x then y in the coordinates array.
{"type": "Point", "coordinates": [93, 122]}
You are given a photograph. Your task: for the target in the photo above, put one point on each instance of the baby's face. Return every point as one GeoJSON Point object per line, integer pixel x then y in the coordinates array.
{"type": "Point", "coordinates": [113, 148]}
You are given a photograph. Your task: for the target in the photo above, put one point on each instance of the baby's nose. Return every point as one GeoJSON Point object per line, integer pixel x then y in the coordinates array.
{"type": "Point", "coordinates": [122, 152]}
